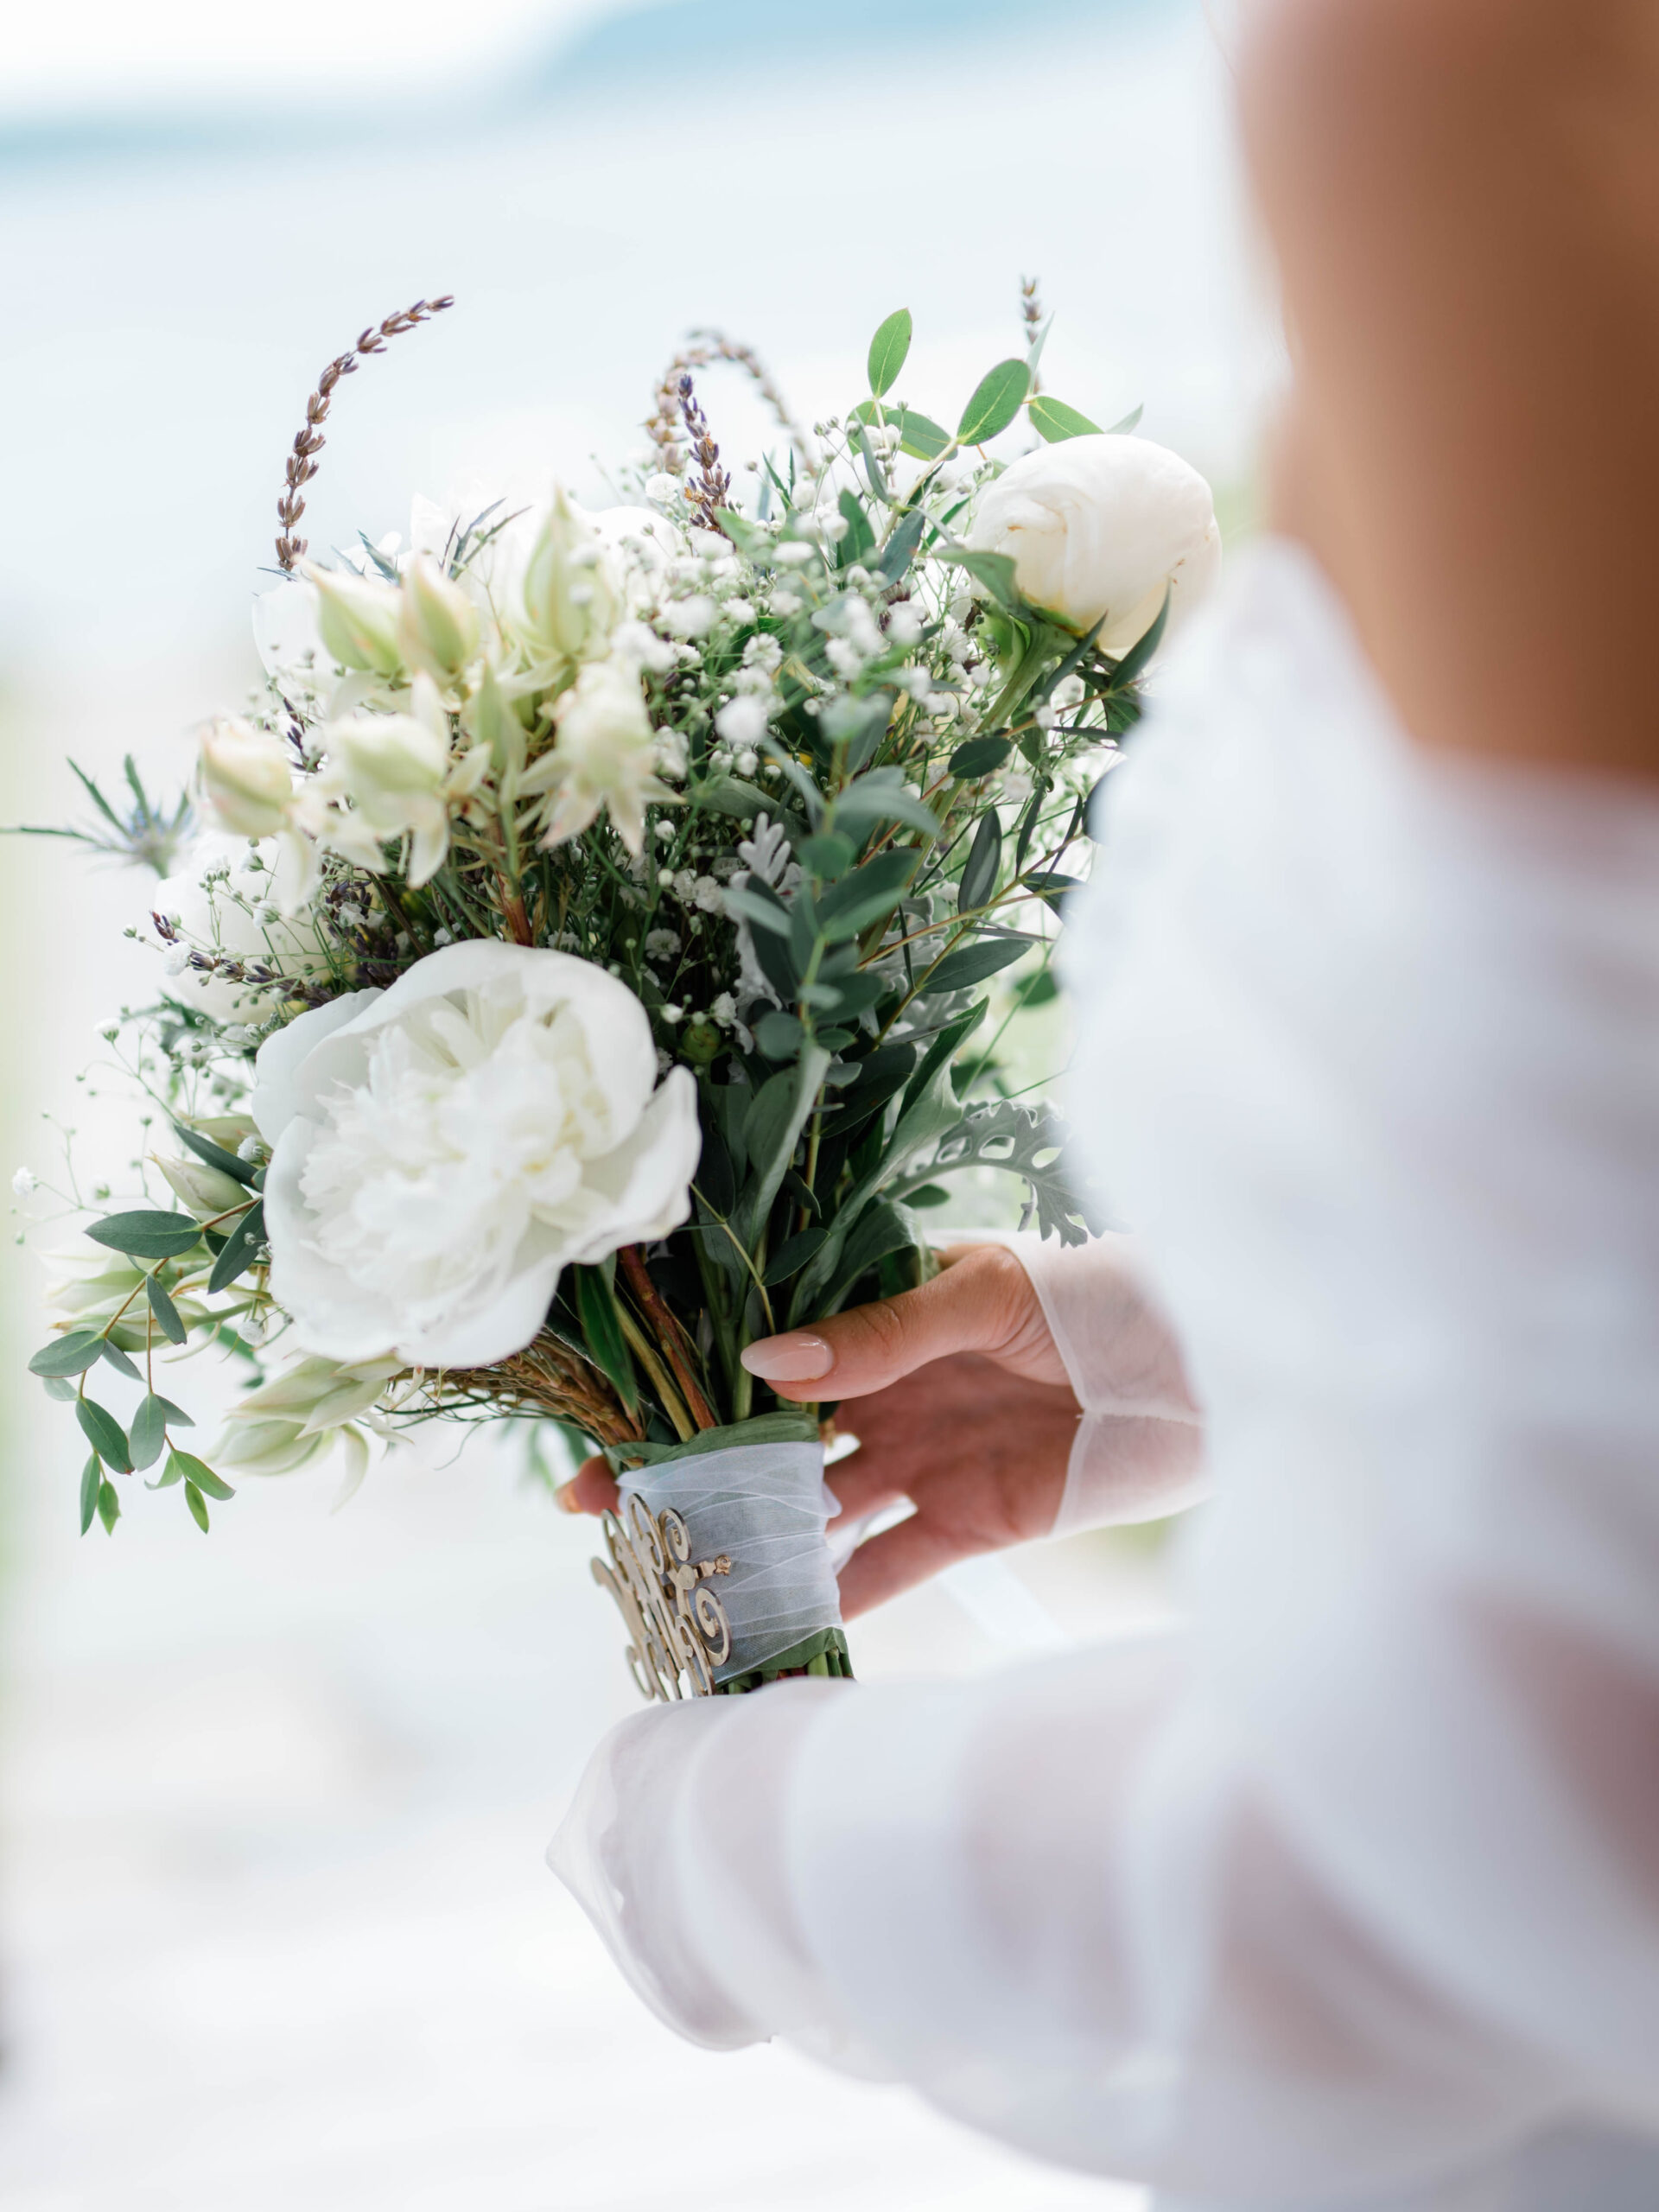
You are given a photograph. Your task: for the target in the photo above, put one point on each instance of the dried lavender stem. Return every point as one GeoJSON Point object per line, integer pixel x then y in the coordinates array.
{"type": "Point", "coordinates": [301, 464]}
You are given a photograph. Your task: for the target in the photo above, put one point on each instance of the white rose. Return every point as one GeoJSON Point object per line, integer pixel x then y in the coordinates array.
{"type": "Point", "coordinates": [443, 1149]}
{"type": "Point", "coordinates": [1101, 526]}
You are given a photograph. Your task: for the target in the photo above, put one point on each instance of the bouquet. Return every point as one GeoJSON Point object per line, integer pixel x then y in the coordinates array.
{"type": "Point", "coordinates": [589, 953]}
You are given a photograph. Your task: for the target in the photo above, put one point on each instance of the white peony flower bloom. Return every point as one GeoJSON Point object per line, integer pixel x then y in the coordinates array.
{"type": "Point", "coordinates": [441, 1150]}
{"type": "Point", "coordinates": [1101, 526]}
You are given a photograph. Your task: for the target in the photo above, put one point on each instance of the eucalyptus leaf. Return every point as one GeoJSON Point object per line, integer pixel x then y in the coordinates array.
{"type": "Point", "coordinates": [68, 1354]}
{"type": "Point", "coordinates": [109, 1507]}
{"type": "Point", "coordinates": [900, 548]}
{"type": "Point", "coordinates": [984, 860]}
{"type": "Point", "coordinates": [994, 570]}
{"type": "Point", "coordinates": [779, 1035]}
{"type": "Point", "coordinates": [195, 1471]}
{"type": "Point", "coordinates": [148, 1431]}
{"type": "Point", "coordinates": [166, 1313]}
{"type": "Point", "coordinates": [997, 399]}
{"type": "Point", "coordinates": [980, 756]}
{"type": "Point", "coordinates": [117, 1359]}
{"type": "Point", "coordinates": [849, 907]}
{"type": "Point", "coordinates": [91, 1476]}
{"type": "Point", "coordinates": [239, 1170]}
{"type": "Point", "coordinates": [198, 1505]}
{"type": "Point", "coordinates": [761, 908]}
{"type": "Point", "coordinates": [1130, 421]}
{"type": "Point", "coordinates": [104, 1434]}
{"type": "Point", "coordinates": [888, 350]}
{"type": "Point", "coordinates": [880, 796]}
{"type": "Point", "coordinates": [240, 1246]}
{"type": "Point", "coordinates": [826, 856]}
{"type": "Point", "coordinates": [973, 963]}
{"type": "Point", "coordinates": [1053, 419]}
{"type": "Point", "coordinates": [147, 1235]}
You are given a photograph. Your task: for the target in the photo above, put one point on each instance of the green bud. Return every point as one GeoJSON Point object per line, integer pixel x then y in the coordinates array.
{"type": "Point", "coordinates": [437, 624]}
{"type": "Point", "coordinates": [357, 620]}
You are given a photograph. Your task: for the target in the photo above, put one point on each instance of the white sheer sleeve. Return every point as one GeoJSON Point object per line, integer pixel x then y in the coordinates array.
{"type": "Point", "coordinates": [1139, 1450]}
{"type": "Point", "coordinates": [1351, 1895]}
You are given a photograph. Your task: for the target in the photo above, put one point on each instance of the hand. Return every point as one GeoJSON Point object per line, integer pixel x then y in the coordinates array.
{"type": "Point", "coordinates": [960, 1403]}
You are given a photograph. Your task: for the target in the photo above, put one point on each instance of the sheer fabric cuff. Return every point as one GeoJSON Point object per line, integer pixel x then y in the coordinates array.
{"type": "Point", "coordinates": [1139, 1450]}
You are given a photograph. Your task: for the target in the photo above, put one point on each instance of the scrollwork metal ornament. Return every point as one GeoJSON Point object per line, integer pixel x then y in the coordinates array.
{"type": "Point", "coordinates": [678, 1629]}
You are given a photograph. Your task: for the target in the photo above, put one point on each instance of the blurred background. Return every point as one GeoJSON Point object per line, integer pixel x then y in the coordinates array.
{"type": "Point", "coordinates": [274, 1925]}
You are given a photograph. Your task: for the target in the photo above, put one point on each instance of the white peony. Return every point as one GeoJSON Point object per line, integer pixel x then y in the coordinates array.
{"type": "Point", "coordinates": [1101, 526]}
{"type": "Point", "coordinates": [443, 1149]}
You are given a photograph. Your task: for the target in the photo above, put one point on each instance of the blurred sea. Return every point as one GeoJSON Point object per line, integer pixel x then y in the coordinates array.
{"type": "Point", "coordinates": [273, 1927]}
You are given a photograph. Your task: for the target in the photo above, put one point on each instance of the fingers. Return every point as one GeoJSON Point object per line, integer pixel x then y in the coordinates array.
{"type": "Point", "coordinates": [982, 1302]}
{"type": "Point", "coordinates": [897, 1559]}
{"type": "Point", "coordinates": [591, 1490]}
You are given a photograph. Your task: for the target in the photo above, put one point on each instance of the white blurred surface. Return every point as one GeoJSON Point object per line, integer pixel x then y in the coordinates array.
{"type": "Point", "coordinates": [275, 1928]}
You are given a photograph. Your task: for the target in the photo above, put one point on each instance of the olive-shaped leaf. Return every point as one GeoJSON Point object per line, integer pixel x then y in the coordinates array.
{"type": "Point", "coordinates": [105, 1435]}
{"type": "Point", "coordinates": [1053, 419]}
{"type": "Point", "coordinates": [146, 1236]}
{"type": "Point", "coordinates": [91, 1476]}
{"type": "Point", "coordinates": [69, 1355]}
{"type": "Point", "coordinates": [244, 1241]}
{"type": "Point", "coordinates": [194, 1470]}
{"type": "Point", "coordinates": [888, 348]}
{"type": "Point", "coordinates": [164, 1310]}
{"type": "Point", "coordinates": [109, 1508]}
{"type": "Point", "coordinates": [998, 397]}
{"type": "Point", "coordinates": [984, 859]}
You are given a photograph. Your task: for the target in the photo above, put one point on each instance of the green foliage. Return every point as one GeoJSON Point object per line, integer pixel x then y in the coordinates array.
{"type": "Point", "coordinates": [147, 1235]}
{"type": "Point", "coordinates": [888, 350]}
{"type": "Point", "coordinates": [1053, 419]}
{"type": "Point", "coordinates": [997, 399]}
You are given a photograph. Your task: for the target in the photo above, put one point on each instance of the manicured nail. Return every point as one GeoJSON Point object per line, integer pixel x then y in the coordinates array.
{"type": "Point", "coordinates": [797, 1357]}
{"type": "Point", "coordinates": [565, 1498]}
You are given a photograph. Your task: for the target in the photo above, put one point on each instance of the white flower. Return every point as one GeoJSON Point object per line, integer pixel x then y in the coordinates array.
{"type": "Point", "coordinates": [23, 1182]}
{"type": "Point", "coordinates": [690, 618]}
{"type": "Point", "coordinates": [244, 908]}
{"type": "Point", "coordinates": [844, 657]}
{"type": "Point", "coordinates": [903, 626]}
{"type": "Point", "coordinates": [245, 777]}
{"type": "Point", "coordinates": [437, 623]}
{"type": "Point", "coordinates": [604, 755]}
{"type": "Point", "coordinates": [571, 593]}
{"type": "Point", "coordinates": [662, 944]}
{"type": "Point", "coordinates": [664, 488]}
{"type": "Point", "coordinates": [441, 1150]}
{"type": "Point", "coordinates": [742, 721]}
{"type": "Point", "coordinates": [1099, 527]}
{"type": "Point", "coordinates": [763, 653]}
{"type": "Point", "coordinates": [636, 641]}
{"type": "Point", "coordinates": [395, 769]}
{"type": "Point", "coordinates": [739, 610]}
{"type": "Point", "coordinates": [357, 620]}
{"type": "Point", "coordinates": [207, 1192]}
{"type": "Point", "coordinates": [641, 544]}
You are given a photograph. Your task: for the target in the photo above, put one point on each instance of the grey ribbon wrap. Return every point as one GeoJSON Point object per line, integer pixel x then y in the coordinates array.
{"type": "Point", "coordinates": [765, 1506]}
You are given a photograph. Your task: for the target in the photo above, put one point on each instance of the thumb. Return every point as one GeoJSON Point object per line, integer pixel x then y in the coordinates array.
{"type": "Point", "coordinates": [981, 1301]}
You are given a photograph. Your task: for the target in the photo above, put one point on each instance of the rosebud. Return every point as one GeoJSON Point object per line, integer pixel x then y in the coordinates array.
{"type": "Point", "coordinates": [206, 1192]}
{"type": "Point", "coordinates": [1099, 528]}
{"type": "Point", "coordinates": [245, 778]}
{"type": "Point", "coordinates": [357, 620]}
{"type": "Point", "coordinates": [437, 624]}
{"type": "Point", "coordinates": [570, 603]}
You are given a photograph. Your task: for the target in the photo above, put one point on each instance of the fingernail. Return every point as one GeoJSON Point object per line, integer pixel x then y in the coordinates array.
{"type": "Point", "coordinates": [565, 1498]}
{"type": "Point", "coordinates": [797, 1357]}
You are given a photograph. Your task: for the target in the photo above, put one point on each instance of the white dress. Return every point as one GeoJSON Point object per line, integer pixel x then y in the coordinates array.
{"type": "Point", "coordinates": [1349, 1894]}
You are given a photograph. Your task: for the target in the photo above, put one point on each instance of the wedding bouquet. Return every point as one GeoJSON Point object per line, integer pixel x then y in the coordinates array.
{"type": "Point", "coordinates": [586, 959]}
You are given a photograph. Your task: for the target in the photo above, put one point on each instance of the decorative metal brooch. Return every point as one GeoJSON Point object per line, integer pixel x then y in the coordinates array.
{"type": "Point", "coordinates": [678, 1629]}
